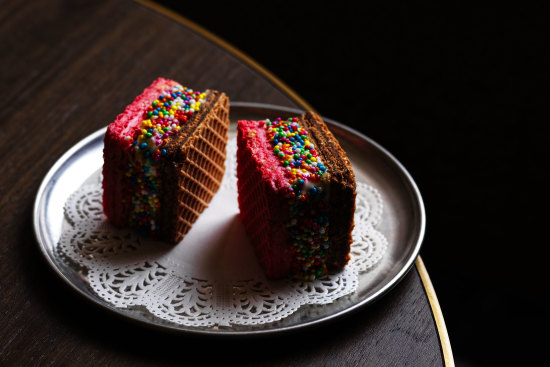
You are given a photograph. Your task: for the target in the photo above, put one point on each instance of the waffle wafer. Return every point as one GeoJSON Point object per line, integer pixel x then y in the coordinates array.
{"type": "Point", "coordinates": [164, 159]}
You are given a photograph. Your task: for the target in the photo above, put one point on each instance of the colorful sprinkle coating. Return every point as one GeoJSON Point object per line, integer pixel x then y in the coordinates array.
{"type": "Point", "coordinates": [163, 117]}
{"type": "Point", "coordinates": [297, 154]}
{"type": "Point", "coordinates": [308, 223]}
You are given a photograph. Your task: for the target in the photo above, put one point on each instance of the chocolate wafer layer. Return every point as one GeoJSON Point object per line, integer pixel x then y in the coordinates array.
{"type": "Point", "coordinates": [164, 159]}
{"type": "Point", "coordinates": [342, 190]}
{"type": "Point", "coordinates": [194, 168]}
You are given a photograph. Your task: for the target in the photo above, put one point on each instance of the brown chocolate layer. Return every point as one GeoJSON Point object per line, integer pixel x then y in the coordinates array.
{"type": "Point", "coordinates": [342, 189]}
{"type": "Point", "coordinates": [192, 170]}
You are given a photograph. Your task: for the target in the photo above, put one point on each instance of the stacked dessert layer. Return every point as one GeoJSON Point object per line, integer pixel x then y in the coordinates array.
{"type": "Point", "coordinates": [296, 195]}
{"type": "Point", "coordinates": [164, 159]}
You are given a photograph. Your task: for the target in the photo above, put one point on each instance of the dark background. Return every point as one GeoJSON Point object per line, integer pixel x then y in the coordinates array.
{"type": "Point", "coordinates": [460, 96]}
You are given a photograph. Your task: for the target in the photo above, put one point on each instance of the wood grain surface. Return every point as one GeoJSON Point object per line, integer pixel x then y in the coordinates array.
{"type": "Point", "coordinates": [67, 69]}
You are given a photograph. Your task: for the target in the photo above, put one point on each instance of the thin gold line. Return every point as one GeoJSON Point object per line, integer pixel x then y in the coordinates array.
{"type": "Point", "coordinates": [432, 298]}
{"type": "Point", "coordinates": [197, 28]}
{"type": "Point", "coordinates": [438, 315]}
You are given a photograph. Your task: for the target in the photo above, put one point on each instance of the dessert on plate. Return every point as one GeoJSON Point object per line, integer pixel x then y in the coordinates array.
{"type": "Point", "coordinates": [296, 192]}
{"type": "Point", "coordinates": [164, 159]}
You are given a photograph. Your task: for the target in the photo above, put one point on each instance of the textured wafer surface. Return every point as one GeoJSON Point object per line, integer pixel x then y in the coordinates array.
{"type": "Point", "coordinates": [342, 190]}
{"type": "Point", "coordinates": [194, 172]}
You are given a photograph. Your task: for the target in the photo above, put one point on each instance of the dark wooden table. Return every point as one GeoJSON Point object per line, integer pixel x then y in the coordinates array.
{"type": "Point", "coordinates": [67, 69]}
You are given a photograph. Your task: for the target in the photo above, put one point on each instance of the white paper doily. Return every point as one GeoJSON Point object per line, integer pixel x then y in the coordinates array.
{"type": "Point", "coordinates": [212, 277]}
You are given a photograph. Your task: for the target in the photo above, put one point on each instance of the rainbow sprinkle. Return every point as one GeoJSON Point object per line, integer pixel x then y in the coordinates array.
{"type": "Point", "coordinates": [163, 118]}
{"type": "Point", "coordinates": [308, 222]}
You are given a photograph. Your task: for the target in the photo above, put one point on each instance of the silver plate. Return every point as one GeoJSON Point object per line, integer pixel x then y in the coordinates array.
{"type": "Point", "coordinates": [403, 222]}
